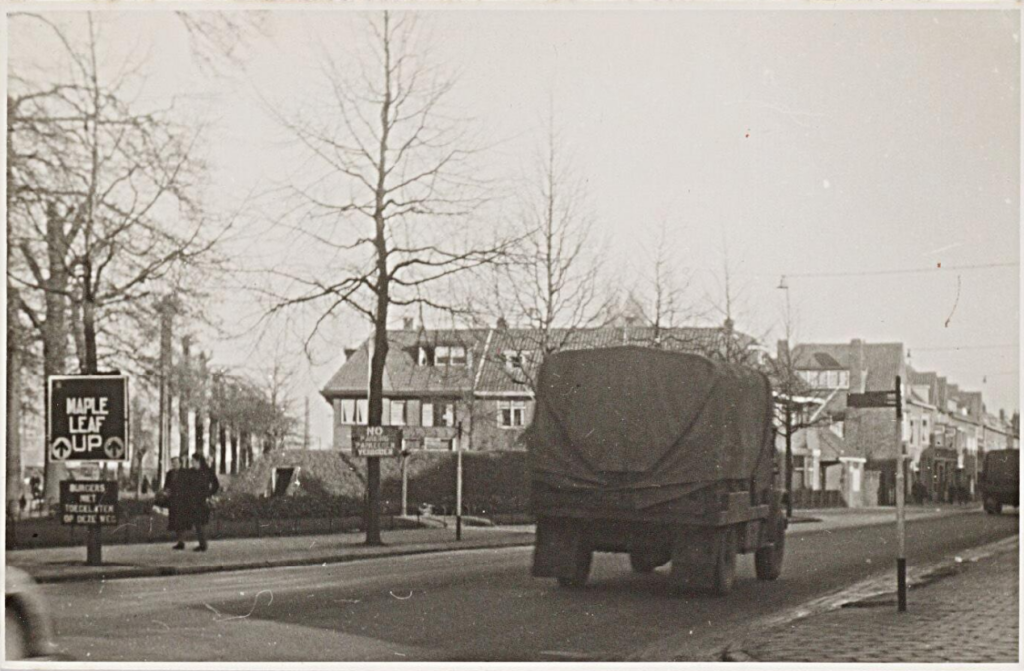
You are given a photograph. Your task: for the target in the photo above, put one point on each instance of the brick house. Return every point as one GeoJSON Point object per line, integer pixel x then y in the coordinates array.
{"type": "Point", "coordinates": [945, 430]}
{"type": "Point", "coordinates": [437, 380]}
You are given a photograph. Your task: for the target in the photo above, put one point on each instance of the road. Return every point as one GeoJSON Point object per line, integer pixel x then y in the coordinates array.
{"type": "Point", "coordinates": [472, 605]}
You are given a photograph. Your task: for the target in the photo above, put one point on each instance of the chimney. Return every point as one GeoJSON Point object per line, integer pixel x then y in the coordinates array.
{"type": "Point", "coordinates": [407, 323]}
{"type": "Point", "coordinates": [859, 374]}
{"type": "Point", "coordinates": [502, 324]}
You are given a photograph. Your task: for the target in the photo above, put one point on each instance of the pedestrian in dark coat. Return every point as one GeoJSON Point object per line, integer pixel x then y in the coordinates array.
{"type": "Point", "coordinates": [196, 485]}
{"type": "Point", "coordinates": [170, 496]}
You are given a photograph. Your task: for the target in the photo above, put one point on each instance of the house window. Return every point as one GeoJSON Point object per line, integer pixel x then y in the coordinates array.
{"type": "Point", "coordinates": [424, 358]}
{"type": "Point", "coordinates": [511, 414]}
{"type": "Point", "coordinates": [353, 411]}
{"type": "Point", "coordinates": [844, 379]}
{"type": "Point", "coordinates": [799, 480]}
{"type": "Point", "coordinates": [438, 413]}
{"type": "Point", "coordinates": [832, 379]}
{"type": "Point", "coordinates": [397, 413]}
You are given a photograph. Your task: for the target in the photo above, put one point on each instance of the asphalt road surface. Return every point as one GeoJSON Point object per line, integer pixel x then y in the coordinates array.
{"type": "Point", "coordinates": [473, 605]}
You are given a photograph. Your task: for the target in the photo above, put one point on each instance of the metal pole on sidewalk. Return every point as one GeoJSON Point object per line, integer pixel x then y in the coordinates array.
{"type": "Point", "coordinates": [405, 483]}
{"type": "Point", "coordinates": [458, 484]}
{"type": "Point", "coordinates": [901, 536]}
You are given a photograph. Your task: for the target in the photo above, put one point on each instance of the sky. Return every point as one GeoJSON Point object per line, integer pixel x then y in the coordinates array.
{"type": "Point", "coordinates": [826, 147]}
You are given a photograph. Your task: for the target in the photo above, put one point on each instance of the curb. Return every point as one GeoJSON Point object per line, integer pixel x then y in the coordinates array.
{"type": "Point", "coordinates": [130, 571]}
{"type": "Point", "coordinates": [162, 571]}
{"type": "Point", "coordinates": [876, 523]}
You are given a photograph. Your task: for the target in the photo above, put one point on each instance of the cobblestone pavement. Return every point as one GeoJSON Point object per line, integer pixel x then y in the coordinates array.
{"type": "Point", "coordinates": [970, 616]}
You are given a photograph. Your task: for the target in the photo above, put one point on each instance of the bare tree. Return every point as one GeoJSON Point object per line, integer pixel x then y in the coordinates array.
{"type": "Point", "coordinates": [550, 286]}
{"type": "Point", "coordinates": [664, 284]}
{"type": "Point", "coordinates": [219, 39]}
{"type": "Point", "coordinates": [798, 406]}
{"type": "Point", "coordinates": [391, 181]}
{"type": "Point", "coordinates": [104, 208]}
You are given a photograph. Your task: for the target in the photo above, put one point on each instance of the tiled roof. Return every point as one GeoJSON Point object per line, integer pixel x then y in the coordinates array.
{"type": "Point", "coordinates": [404, 375]}
{"type": "Point", "coordinates": [496, 378]}
{"type": "Point", "coordinates": [883, 361]}
{"type": "Point", "coordinates": [810, 356]}
{"type": "Point", "coordinates": [402, 372]}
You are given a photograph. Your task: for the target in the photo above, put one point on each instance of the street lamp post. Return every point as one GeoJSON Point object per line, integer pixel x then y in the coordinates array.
{"type": "Point", "coordinates": [789, 406]}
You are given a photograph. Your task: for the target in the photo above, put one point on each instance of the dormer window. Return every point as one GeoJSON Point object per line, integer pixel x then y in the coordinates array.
{"type": "Point", "coordinates": [513, 360]}
{"type": "Point", "coordinates": [450, 355]}
{"type": "Point", "coordinates": [826, 379]}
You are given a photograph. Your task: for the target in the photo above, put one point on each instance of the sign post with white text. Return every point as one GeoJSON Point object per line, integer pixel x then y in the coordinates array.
{"type": "Point", "coordinates": [87, 421]}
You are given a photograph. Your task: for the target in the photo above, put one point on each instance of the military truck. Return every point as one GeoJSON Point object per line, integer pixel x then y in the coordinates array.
{"type": "Point", "coordinates": [1000, 480]}
{"type": "Point", "coordinates": [666, 456]}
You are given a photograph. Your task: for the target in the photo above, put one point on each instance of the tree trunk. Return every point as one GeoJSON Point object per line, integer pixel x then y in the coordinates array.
{"type": "Point", "coordinates": [55, 333]}
{"type": "Point", "coordinates": [184, 395]}
{"type": "Point", "coordinates": [91, 364]}
{"type": "Point", "coordinates": [789, 457]}
{"type": "Point", "coordinates": [15, 341]}
{"type": "Point", "coordinates": [223, 442]}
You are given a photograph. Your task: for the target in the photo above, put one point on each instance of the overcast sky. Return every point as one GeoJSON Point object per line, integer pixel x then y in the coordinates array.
{"type": "Point", "coordinates": [826, 146]}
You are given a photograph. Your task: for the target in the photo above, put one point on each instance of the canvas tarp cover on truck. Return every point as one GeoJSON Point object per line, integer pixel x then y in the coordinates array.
{"type": "Point", "coordinates": [647, 420]}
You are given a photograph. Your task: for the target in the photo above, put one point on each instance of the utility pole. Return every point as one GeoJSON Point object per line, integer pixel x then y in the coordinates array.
{"type": "Point", "coordinates": [788, 377]}
{"type": "Point", "coordinates": [166, 310]}
{"type": "Point", "coordinates": [901, 535]}
{"type": "Point", "coordinates": [305, 428]}
{"type": "Point", "coordinates": [458, 483]}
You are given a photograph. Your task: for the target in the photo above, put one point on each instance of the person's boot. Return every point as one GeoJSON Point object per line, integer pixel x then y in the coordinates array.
{"type": "Point", "coordinates": [178, 546]}
{"type": "Point", "coordinates": [199, 548]}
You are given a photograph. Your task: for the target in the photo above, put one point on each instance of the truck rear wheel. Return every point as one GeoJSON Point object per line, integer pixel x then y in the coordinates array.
{"type": "Point", "coordinates": [725, 561]}
{"type": "Point", "coordinates": [709, 565]}
{"type": "Point", "coordinates": [768, 560]}
{"type": "Point", "coordinates": [581, 568]}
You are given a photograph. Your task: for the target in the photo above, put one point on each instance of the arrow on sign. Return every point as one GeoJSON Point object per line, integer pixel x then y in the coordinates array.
{"type": "Point", "coordinates": [114, 448]}
{"type": "Point", "coordinates": [61, 449]}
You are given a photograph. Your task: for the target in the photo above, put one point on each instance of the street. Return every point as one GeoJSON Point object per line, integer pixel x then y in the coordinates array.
{"type": "Point", "coordinates": [473, 605]}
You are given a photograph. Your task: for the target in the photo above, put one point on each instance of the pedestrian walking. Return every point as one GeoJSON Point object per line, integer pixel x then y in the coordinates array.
{"type": "Point", "coordinates": [170, 497]}
{"type": "Point", "coordinates": [195, 485]}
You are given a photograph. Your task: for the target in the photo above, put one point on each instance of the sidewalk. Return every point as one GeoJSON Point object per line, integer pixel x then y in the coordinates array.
{"type": "Point", "coordinates": [66, 564]}
{"type": "Point", "coordinates": [967, 617]}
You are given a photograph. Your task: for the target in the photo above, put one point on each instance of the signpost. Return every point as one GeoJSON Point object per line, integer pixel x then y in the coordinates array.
{"type": "Point", "coordinates": [87, 421]}
{"type": "Point", "coordinates": [88, 502]}
{"type": "Point", "coordinates": [376, 441]}
{"type": "Point", "coordinates": [892, 399]}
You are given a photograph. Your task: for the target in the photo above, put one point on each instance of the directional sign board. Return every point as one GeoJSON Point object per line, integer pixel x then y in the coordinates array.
{"type": "Point", "coordinates": [88, 418]}
{"type": "Point", "coordinates": [90, 502]}
{"type": "Point", "coordinates": [376, 441]}
{"type": "Point", "coordinates": [872, 399]}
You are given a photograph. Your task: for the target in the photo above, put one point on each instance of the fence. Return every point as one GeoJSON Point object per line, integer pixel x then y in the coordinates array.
{"type": "Point", "coordinates": [820, 498]}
